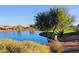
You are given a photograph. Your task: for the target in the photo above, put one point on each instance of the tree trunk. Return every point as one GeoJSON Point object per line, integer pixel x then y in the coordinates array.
{"type": "Point", "coordinates": [61, 33]}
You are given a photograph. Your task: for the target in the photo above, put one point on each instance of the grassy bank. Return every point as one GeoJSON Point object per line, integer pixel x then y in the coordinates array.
{"type": "Point", "coordinates": [10, 46]}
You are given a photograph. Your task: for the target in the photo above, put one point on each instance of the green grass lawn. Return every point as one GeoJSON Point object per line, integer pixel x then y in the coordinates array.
{"type": "Point", "coordinates": [69, 30]}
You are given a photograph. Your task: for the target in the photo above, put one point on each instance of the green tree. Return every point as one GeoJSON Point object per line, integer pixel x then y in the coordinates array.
{"type": "Point", "coordinates": [56, 19]}
{"type": "Point", "coordinates": [64, 19]}
{"type": "Point", "coordinates": [42, 21]}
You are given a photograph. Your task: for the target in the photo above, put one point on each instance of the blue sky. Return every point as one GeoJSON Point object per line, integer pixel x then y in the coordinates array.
{"type": "Point", "coordinates": [24, 14]}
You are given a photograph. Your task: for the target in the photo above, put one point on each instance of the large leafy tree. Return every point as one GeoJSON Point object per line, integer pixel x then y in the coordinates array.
{"type": "Point", "coordinates": [42, 21]}
{"type": "Point", "coordinates": [56, 19]}
{"type": "Point", "coordinates": [64, 19]}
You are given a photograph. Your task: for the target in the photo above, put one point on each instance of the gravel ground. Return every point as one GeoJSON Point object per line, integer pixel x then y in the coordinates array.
{"type": "Point", "coordinates": [69, 47]}
{"type": "Point", "coordinates": [71, 50]}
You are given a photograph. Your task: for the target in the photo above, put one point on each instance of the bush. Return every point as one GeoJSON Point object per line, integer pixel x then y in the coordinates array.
{"type": "Point", "coordinates": [10, 46]}
{"type": "Point", "coordinates": [57, 47]}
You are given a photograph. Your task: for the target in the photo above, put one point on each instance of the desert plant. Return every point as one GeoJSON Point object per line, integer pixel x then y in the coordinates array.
{"type": "Point", "coordinates": [10, 46]}
{"type": "Point", "coordinates": [57, 47]}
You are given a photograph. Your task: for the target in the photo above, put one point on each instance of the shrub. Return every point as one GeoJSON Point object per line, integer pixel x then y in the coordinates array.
{"type": "Point", "coordinates": [57, 47]}
{"type": "Point", "coordinates": [10, 46]}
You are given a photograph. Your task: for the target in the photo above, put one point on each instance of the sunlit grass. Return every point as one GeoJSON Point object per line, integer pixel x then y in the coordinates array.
{"type": "Point", "coordinates": [10, 46]}
{"type": "Point", "coordinates": [69, 30]}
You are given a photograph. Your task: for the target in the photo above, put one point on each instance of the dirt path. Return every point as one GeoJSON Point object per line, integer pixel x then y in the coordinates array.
{"type": "Point", "coordinates": [69, 47]}
{"type": "Point", "coordinates": [70, 37]}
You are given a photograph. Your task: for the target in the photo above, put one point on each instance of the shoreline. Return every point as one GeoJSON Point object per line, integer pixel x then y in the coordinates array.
{"type": "Point", "coordinates": [15, 30]}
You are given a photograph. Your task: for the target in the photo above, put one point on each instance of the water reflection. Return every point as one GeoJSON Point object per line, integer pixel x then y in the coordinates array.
{"type": "Point", "coordinates": [31, 32]}
{"type": "Point", "coordinates": [19, 33]}
{"type": "Point", "coordinates": [24, 35]}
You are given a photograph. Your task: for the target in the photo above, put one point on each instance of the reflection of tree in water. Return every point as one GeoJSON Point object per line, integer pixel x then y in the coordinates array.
{"type": "Point", "coordinates": [31, 32]}
{"type": "Point", "coordinates": [19, 33]}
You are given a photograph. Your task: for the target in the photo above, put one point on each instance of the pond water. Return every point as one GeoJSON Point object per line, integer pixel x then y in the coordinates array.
{"type": "Point", "coordinates": [24, 36]}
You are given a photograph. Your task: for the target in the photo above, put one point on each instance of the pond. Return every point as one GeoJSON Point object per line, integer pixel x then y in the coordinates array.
{"type": "Point", "coordinates": [24, 36]}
